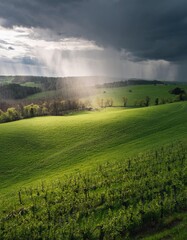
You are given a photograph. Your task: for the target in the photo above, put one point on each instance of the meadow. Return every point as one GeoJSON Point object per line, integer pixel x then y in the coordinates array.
{"type": "Point", "coordinates": [132, 93]}
{"type": "Point", "coordinates": [49, 149]}
{"type": "Point", "coordinates": [137, 93]}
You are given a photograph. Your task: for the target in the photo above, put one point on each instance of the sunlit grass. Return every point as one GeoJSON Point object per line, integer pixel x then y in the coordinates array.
{"type": "Point", "coordinates": [48, 147]}
{"type": "Point", "coordinates": [135, 93]}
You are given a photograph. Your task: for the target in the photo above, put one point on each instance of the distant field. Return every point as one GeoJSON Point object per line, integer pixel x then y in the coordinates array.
{"type": "Point", "coordinates": [31, 84]}
{"type": "Point", "coordinates": [133, 94]}
{"type": "Point", "coordinates": [136, 93]}
{"type": "Point", "coordinates": [44, 95]}
{"type": "Point", "coordinates": [6, 79]}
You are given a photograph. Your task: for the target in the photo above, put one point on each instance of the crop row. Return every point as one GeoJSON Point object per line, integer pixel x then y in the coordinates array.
{"type": "Point", "coordinates": [114, 201]}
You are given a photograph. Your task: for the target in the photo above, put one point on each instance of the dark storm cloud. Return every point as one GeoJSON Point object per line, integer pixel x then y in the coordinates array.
{"type": "Point", "coordinates": [148, 29]}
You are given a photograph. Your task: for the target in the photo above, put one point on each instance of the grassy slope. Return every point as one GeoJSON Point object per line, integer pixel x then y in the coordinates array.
{"type": "Point", "coordinates": [31, 84]}
{"type": "Point", "coordinates": [44, 95]}
{"type": "Point", "coordinates": [87, 201]}
{"type": "Point", "coordinates": [138, 93]}
{"type": "Point", "coordinates": [44, 148]}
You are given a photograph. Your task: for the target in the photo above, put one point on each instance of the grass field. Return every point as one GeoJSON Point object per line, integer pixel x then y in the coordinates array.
{"type": "Point", "coordinates": [6, 79]}
{"type": "Point", "coordinates": [43, 147]}
{"type": "Point", "coordinates": [31, 84]}
{"type": "Point", "coordinates": [136, 93]}
{"type": "Point", "coordinates": [133, 93]}
{"type": "Point", "coordinates": [45, 95]}
{"type": "Point", "coordinates": [48, 148]}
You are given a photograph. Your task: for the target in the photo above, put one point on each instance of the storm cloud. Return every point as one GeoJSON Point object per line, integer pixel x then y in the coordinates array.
{"type": "Point", "coordinates": [148, 29]}
{"type": "Point", "coordinates": [145, 29]}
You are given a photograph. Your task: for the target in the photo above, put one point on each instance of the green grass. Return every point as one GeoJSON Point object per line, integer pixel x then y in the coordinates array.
{"type": "Point", "coordinates": [138, 93]}
{"type": "Point", "coordinates": [116, 200]}
{"type": "Point", "coordinates": [31, 84]}
{"type": "Point", "coordinates": [47, 147]}
{"type": "Point", "coordinates": [50, 148]}
{"type": "Point", "coordinates": [44, 95]}
{"type": "Point", "coordinates": [6, 79]}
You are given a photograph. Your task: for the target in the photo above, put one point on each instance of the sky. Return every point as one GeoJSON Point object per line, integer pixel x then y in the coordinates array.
{"type": "Point", "coordinates": [116, 38]}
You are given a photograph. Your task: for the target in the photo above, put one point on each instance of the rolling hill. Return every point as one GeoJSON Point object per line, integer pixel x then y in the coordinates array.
{"type": "Point", "coordinates": [35, 147]}
{"type": "Point", "coordinates": [50, 148]}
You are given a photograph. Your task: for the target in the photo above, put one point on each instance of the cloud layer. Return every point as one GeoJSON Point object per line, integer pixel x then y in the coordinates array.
{"type": "Point", "coordinates": [148, 31]}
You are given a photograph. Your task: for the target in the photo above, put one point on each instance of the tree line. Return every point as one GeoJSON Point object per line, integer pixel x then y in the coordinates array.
{"type": "Point", "coordinates": [57, 107]}
{"type": "Point", "coordinates": [16, 91]}
{"type": "Point", "coordinates": [180, 94]}
{"type": "Point", "coordinates": [129, 82]}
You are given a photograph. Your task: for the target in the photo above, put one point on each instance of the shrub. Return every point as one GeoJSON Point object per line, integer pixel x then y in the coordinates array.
{"type": "Point", "coordinates": [177, 91]}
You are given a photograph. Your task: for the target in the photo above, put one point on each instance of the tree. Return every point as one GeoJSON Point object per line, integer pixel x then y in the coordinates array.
{"type": "Point", "coordinates": [31, 110]}
{"type": "Point", "coordinates": [13, 114]}
{"type": "Point", "coordinates": [3, 116]}
{"type": "Point", "coordinates": [156, 101]}
{"type": "Point", "coordinates": [147, 101]}
{"type": "Point", "coordinates": [183, 97]}
{"type": "Point", "coordinates": [125, 100]}
{"type": "Point", "coordinates": [177, 91]}
{"type": "Point", "coordinates": [111, 102]}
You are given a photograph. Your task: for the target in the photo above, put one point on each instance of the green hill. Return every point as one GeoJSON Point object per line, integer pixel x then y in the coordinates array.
{"type": "Point", "coordinates": [50, 148]}
{"type": "Point", "coordinates": [136, 93]}
{"type": "Point", "coordinates": [35, 147]}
